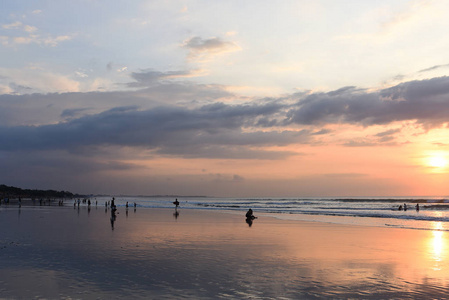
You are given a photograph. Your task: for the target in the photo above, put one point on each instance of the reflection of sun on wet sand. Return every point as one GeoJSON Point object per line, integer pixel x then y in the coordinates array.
{"type": "Point", "coordinates": [437, 245]}
{"type": "Point", "coordinates": [57, 252]}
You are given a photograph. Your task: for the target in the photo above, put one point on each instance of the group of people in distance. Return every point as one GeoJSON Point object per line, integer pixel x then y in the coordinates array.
{"type": "Point", "coordinates": [404, 208]}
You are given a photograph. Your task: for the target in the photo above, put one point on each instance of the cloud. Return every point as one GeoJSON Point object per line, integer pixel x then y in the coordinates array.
{"type": "Point", "coordinates": [15, 25]}
{"type": "Point", "coordinates": [35, 81]}
{"type": "Point", "coordinates": [219, 178]}
{"type": "Point", "coordinates": [94, 132]}
{"type": "Point", "coordinates": [72, 113]}
{"type": "Point", "coordinates": [434, 68]}
{"type": "Point", "coordinates": [213, 131]}
{"type": "Point", "coordinates": [35, 39]}
{"type": "Point", "coordinates": [163, 117]}
{"type": "Point", "coordinates": [81, 74]}
{"type": "Point", "coordinates": [31, 38]}
{"type": "Point", "coordinates": [150, 77]}
{"type": "Point", "coordinates": [29, 28]}
{"type": "Point", "coordinates": [388, 132]}
{"type": "Point", "coordinates": [425, 102]}
{"type": "Point", "coordinates": [206, 48]}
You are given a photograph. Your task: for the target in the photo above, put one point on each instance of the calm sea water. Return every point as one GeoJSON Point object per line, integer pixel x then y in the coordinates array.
{"type": "Point", "coordinates": [433, 213]}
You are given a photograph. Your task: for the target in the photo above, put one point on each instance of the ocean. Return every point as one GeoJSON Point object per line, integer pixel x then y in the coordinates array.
{"type": "Point", "coordinates": [433, 213]}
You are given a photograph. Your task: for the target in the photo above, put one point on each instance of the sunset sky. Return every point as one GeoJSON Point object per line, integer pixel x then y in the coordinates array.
{"type": "Point", "coordinates": [226, 98]}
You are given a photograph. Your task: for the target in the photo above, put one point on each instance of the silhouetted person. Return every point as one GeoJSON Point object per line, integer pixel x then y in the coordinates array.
{"type": "Point", "coordinates": [126, 204]}
{"type": "Point", "coordinates": [250, 217]}
{"type": "Point", "coordinates": [176, 203]}
{"type": "Point", "coordinates": [405, 207]}
{"type": "Point", "coordinates": [113, 204]}
{"type": "Point", "coordinates": [400, 207]}
{"type": "Point", "coordinates": [417, 207]}
{"type": "Point", "coordinates": [249, 214]}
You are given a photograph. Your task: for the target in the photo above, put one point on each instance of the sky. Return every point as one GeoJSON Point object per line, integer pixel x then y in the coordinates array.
{"type": "Point", "coordinates": [261, 98]}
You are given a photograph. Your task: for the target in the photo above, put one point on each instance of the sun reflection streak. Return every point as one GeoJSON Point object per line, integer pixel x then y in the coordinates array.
{"type": "Point", "coordinates": [437, 244]}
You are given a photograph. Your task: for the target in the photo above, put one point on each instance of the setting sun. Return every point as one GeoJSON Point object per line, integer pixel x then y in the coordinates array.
{"type": "Point", "coordinates": [437, 161]}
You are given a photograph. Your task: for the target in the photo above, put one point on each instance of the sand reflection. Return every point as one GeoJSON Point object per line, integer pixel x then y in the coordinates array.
{"type": "Point", "coordinates": [204, 255]}
{"type": "Point", "coordinates": [437, 245]}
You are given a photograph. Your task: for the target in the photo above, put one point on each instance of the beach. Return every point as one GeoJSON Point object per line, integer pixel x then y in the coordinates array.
{"type": "Point", "coordinates": [68, 252]}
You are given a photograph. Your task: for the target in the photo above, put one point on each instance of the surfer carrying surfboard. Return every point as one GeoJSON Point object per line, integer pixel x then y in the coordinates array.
{"type": "Point", "coordinates": [176, 203]}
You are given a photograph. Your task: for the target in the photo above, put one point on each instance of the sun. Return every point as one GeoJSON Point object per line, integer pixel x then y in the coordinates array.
{"type": "Point", "coordinates": [437, 161]}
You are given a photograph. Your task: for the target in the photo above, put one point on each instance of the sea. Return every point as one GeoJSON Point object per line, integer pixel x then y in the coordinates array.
{"type": "Point", "coordinates": [422, 213]}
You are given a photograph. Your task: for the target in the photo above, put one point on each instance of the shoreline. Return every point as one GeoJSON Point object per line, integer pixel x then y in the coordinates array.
{"type": "Point", "coordinates": [294, 217]}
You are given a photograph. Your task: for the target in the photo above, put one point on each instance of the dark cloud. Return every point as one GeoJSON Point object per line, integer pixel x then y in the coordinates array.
{"type": "Point", "coordinates": [434, 68]}
{"type": "Point", "coordinates": [360, 143]}
{"type": "Point", "coordinates": [211, 131]}
{"type": "Point", "coordinates": [19, 89]}
{"type": "Point", "coordinates": [71, 113]}
{"type": "Point", "coordinates": [321, 132]}
{"type": "Point", "coordinates": [54, 135]}
{"type": "Point", "coordinates": [147, 78]}
{"type": "Point", "coordinates": [215, 130]}
{"type": "Point", "coordinates": [426, 102]}
{"type": "Point", "coordinates": [37, 109]}
{"type": "Point", "coordinates": [388, 132]}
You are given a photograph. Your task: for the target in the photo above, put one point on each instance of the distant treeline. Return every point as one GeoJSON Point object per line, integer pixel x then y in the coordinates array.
{"type": "Point", "coordinates": [15, 192]}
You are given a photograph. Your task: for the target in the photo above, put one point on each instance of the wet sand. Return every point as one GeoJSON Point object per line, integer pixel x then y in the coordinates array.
{"type": "Point", "coordinates": [67, 253]}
